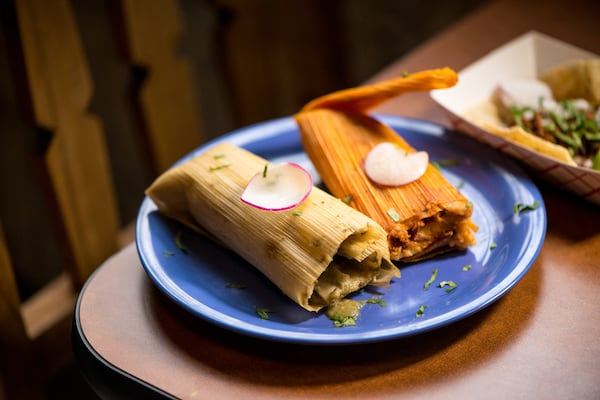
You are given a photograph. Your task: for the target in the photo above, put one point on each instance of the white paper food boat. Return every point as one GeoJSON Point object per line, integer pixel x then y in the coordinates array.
{"type": "Point", "coordinates": [524, 57]}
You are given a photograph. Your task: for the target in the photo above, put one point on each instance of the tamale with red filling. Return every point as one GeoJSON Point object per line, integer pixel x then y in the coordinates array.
{"type": "Point", "coordinates": [422, 218]}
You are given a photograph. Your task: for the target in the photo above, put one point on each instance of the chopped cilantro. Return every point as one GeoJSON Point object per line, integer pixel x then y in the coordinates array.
{"type": "Point", "coordinates": [520, 207]}
{"type": "Point", "coordinates": [179, 243]}
{"type": "Point", "coordinates": [348, 199]}
{"type": "Point", "coordinates": [466, 267]}
{"type": "Point", "coordinates": [596, 160]}
{"type": "Point", "coordinates": [375, 300]}
{"type": "Point", "coordinates": [339, 321]}
{"type": "Point", "coordinates": [451, 285]}
{"type": "Point", "coordinates": [493, 246]}
{"type": "Point", "coordinates": [431, 279]}
{"type": "Point", "coordinates": [218, 167]}
{"type": "Point", "coordinates": [420, 311]}
{"type": "Point", "coordinates": [235, 286]}
{"type": "Point", "coordinates": [263, 312]}
{"type": "Point", "coordinates": [405, 74]}
{"type": "Point", "coordinates": [393, 215]}
{"type": "Point", "coordinates": [568, 125]}
{"type": "Point", "coordinates": [264, 174]}
{"type": "Point", "coordinates": [297, 213]}
{"type": "Point", "coordinates": [448, 162]}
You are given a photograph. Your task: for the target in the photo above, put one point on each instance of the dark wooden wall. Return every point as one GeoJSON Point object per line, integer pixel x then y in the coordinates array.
{"type": "Point", "coordinates": [253, 60]}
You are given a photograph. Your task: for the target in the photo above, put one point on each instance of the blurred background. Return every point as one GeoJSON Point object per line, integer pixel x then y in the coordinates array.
{"type": "Point", "coordinates": [260, 59]}
{"type": "Point", "coordinates": [251, 60]}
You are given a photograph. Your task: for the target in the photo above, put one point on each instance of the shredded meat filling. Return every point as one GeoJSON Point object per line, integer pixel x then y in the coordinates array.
{"type": "Point", "coordinates": [421, 238]}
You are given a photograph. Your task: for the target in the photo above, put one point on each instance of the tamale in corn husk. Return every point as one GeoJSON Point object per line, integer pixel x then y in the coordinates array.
{"type": "Point", "coordinates": [422, 218]}
{"type": "Point", "coordinates": [316, 253]}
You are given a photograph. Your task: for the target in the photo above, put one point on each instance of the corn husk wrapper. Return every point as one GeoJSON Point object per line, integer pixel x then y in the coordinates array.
{"type": "Point", "coordinates": [422, 218]}
{"type": "Point", "coordinates": [316, 253]}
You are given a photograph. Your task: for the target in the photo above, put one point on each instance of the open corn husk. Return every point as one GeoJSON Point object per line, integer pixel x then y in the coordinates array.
{"type": "Point", "coordinates": [316, 254]}
{"type": "Point", "coordinates": [422, 218]}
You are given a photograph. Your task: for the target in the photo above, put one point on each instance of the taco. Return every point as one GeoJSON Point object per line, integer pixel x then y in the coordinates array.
{"type": "Point", "coordinates": [557, 114]}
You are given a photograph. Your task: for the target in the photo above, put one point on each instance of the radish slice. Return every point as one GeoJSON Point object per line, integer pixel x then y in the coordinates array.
{"type": "Point", "coordinates": [390, 165]}
{"type": "Point", "coordinates": [278, 187]}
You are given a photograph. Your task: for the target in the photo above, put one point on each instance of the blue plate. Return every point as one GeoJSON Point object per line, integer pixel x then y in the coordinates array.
{"type": "Point", "coordinates": [204, 279]}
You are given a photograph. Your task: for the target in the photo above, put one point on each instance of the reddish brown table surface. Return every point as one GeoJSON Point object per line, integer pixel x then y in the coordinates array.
{"type": "Point", "coordinates": [541, 340]}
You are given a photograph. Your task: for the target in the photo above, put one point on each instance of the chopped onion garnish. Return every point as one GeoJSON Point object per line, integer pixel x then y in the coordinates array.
{"type": "Point", "coordinates": [525, 93]}
{"type": "Point", "coordinates": [278, 187]}
{"type": "Point", "coordinates": [390, 165]}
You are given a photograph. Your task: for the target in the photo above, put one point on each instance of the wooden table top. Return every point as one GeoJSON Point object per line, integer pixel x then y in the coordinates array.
{"type": "Point", "coordinates": [541, 340]}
